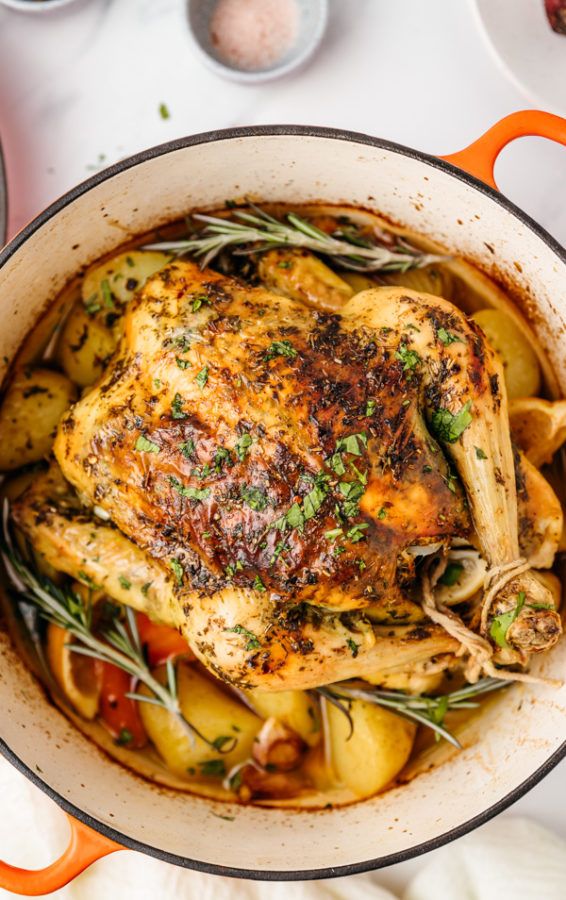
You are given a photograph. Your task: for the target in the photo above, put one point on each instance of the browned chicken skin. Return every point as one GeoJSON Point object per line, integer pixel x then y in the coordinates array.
{"type": "Point", "coordinates": [277, 460]}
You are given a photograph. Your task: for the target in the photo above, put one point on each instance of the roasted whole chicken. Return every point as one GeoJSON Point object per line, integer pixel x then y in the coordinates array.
{"type": "Point", "coordinates": [279, 478]}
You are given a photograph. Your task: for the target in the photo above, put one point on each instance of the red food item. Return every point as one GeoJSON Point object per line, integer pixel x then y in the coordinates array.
{"type": "Point", "coordinates": [556, 13]}
{"type": "Point", "coordinates": [160, 641]}
{"type": "Point", "coordinates": [119, 713]}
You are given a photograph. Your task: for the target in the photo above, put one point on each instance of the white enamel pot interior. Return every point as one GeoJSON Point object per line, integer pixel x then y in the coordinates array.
{"type": "Point", "coordinates": [523, 733]}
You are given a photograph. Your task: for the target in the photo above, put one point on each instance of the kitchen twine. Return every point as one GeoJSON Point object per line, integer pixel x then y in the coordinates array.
{"type": "Point", "coordinates": [479, 649]}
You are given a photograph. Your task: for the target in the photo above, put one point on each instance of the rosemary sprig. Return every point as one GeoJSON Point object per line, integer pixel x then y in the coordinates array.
{"type": "Point", "coordinates": [257, 231]}
{"type": "Point", "coordinates": [425, 710]}
{"type": "Point", "coordinates": [119, 643]}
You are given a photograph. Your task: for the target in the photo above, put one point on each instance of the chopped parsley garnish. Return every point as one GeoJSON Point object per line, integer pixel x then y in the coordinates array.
{"type": "Point", "coordinates": [253, 497]}
{"type": "Point", "coordinates": [177, 407]}
{"type": "Point", "coordinates": [125, 737]}
{"type": "Point", "coordinates": [449, 427]}
{"type": "Point", "coordinates": [370, 407]}
{"type": "Point", "coordinates": [221, 457]}
{"type": "Point", "coordinates": [243, 445]}
{"type": "Point", "coordinates": [107, 293]}
{"type": "Point", "coordinates": [202, 377]}
{"type": "Point", "coordinates": [199, 301]}
{"type": "Point", "coordinates": [352, 492]}
{"type": "Point", "coordinates": [284, 264]}
{"type": "Point", "coordinates": [213, 767]}
{"type": "Point", "coordinates": [451, 574]}
{"type": "Point", "coordinates": [353, 647]}
{"type": "Point", "coordinates": [92, 305]}
{"type": "Point", "coordinates": [164, 111]}
{"type": "Point", "coordinates": [337, 464]}
{"type": "Point", "coordinates": [280, 547]}
{"type": "Point", "coordinates": [281, 348]}
{"type": "Point", "coordinates": [258, 585]}
{"type": "Point", "coordinates": [502, 623]}
{"type": "Point", "coordinates": [177, 570]}
{"type": "Point", "coordinates": [221, 741]}
{"type": "Point", "coordinates": [353, 444]}
{"type": "Point", "coordinates": [124, 582]}
{"type": "Point", "coordinates": [145, 588]}
{"type": "Point", "coordinates": [182, 363]}
{"type": "Point", "coordinates": [448, 337]}
{"type": "Point", "coordinates": [231, 570]}
{"type": "Point", "coordinates": [252, 642]}
{"type": "Point", "coordinates": [409, 358]}
{"type": "Point", "coordinates": [382, 513]}
{"type": "Point", "coordinates": [333, 534]}
{"type": "Point", "coordinates": [356, 532]}
{"type": "Point", "coordinates": [144, 445]}
{"type": "Point", "coordinates": [86, 579]}
{"type": "Point", "coordinates": [480, 454]}
{"type": "Point", "coordinates": [192, 493]}
{"type": "Point", "coordinates": [187, 448]}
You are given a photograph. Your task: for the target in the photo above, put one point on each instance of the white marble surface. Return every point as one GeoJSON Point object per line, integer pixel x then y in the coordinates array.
{"type": "Point", "coordinates": [81, 87]}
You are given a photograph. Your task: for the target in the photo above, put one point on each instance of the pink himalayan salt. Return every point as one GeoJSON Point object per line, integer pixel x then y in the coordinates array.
{"type": "Point", "coordinates": [254, 34]}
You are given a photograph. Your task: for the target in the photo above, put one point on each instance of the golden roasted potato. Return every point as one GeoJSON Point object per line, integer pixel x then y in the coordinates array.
{"type": "Point", "coordinates": [520, 363]}
{"type": "Point", "coordinates": [74, 673]}
{"type": "Point", "coordinates": [84, 346]}
{"type": "Point", "coordinates": [538, 427]}
{"type": "Point", "coordinates": [29, 415]}
{"type": "Point", "coordinates": [295, 709]}
{"type": "Point", "coordinates": [377, 750]}
{"type": "Point", "coordinates": [110, 284]}
{"type": "Point", "coordinates": [358, 282]}
{"type": "Point", "coordinates": [433, 279]}
{"type": "Point", "coordinates": [219, 717]}
{"type": "Point", "coordinates": [302, 276]}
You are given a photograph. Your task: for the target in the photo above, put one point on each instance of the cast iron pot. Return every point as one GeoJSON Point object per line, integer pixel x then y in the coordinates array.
{"type": "Point", "coordinates": [454, 200]}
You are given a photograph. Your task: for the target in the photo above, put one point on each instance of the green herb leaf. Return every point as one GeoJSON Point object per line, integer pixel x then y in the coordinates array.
{"type": "Point", "coordinates": [213, 767]}
{"type": "Point", "coordinates": [144, 445]}
{"type": "Point", "coordinates": [252, 641]}
{"type": "Point", "coordinates": [177, 407]}
{"type": "Point", "coordinates": [409, 358]}
{"type": "Point", "coordinates": [449, 427]}
{"type": "Point", "coordinates": [333, 534]}
{"type": "Point", "coordinates": [448, 337]}
{"type": "Point", "coordinates": [243, 445]}
{"type": "Point", "coordinates": [451, 574]}
{"type": "Point", "coordinates": [353, 647]}
{"type": "Point", "coordinates": [501, 624]}
{"type": "Point", "coordinates": [164, 111]}
{"type": "Point", "coordinates": [480, 453]}
{"type": "Point", "coordinates": [192, 493]}
{"type": "Point", "coordinates": [382, 513]}
{"type": "Point", "coordinates": [177, 570]}
{"type": "Point", "coordinates": [258, 585]}
{"type": "Point", "coordinates": [353, 444]}
{"type": "Point", "coordinates": [124, 582]}
{"type": "Point", "coordinates": [356, 532]}
{"type": "Point", "coordinates": [187, 448]}
{"type": "Point", "coordinates": [281, 348]}
{"type": "Point", "coordinates": [202, 377]}
{"type": "Point", "coordinates": [125, 737]}
{"type": "Point", "coordinates": [107, 293]}
{"type": "Point", "coordinates": [182, 363]}
{"type": "Point", "coordinates": [253, 497]}
{"type": "Point", "coordinates": [371, 406]}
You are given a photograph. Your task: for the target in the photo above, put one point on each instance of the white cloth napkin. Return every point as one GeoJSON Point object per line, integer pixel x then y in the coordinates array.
{"type": "Point", "coordinates": [507, 859]}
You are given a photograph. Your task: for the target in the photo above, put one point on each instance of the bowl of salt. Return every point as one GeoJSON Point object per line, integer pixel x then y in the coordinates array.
{"type": "Point", "coordinates": [256, 40]}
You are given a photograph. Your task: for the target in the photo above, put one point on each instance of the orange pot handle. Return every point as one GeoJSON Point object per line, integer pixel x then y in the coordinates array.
{"type": "Point", "coordinates": [85, 847]}
{"type": "Point", "coordinates": [479, 158]}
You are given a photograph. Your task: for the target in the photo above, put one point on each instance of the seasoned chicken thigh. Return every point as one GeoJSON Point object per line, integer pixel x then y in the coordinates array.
{"type": "Point", "coordinates": [276, 462]}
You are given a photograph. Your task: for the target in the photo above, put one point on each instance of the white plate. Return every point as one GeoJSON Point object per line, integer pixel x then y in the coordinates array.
{"type": "Point", "coordinates": [534, 56]}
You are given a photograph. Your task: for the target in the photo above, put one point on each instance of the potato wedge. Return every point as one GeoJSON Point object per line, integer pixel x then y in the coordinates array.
{"type": "Point", "coordinates": [302, 276]}
{"type": "Point", "coordinates": [538, 427]}
{"type": "Point", "coordinates": [214, 713]}
{"type": "Point", "coordinates": [75, 674]}
{"type": "Point", "coordinates": [520, 363]}
{"type": "Point", "coordinates": [109, 285]}
{"type": "Point", "coordinates": [434, 279]}
{"type": "Point", "coordinates": [84, 346]}
{"type": "Point", "coordinates": [295, 709]}
{"type": "Point", "coordinates": [29, 415]}
{"type": "Point", "coordinates": [377, 750]}
{"type": "Point", "coordinates": [358, 282]}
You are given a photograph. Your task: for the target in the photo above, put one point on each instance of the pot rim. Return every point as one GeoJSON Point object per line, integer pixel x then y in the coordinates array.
{"type": "Point", "coordinates": [283, 131]}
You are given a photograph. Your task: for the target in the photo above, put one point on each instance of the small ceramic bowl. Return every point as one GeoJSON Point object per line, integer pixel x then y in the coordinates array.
{"type": "Point", "coordinates": [35, 6]}
{"type": "Point", "coordinates": [312, 24]}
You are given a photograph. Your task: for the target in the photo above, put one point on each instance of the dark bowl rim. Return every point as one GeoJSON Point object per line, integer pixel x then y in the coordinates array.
{"type": "Point", "coordinates": [281, 131]}
{"type": "Point", "coordinates": [3, 200]}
